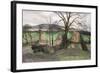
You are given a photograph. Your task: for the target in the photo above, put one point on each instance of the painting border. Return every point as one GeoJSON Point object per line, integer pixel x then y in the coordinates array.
{"type": "Point", "coordinates": [13, 35]}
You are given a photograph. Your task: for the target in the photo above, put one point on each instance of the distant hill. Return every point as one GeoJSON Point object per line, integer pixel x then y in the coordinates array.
{"type": "Point", "coordinates": [47, 26]}
{"type": "Point", "coordinates": [51, 27]}
{"type": "Point", "coordinates": [43, 27]}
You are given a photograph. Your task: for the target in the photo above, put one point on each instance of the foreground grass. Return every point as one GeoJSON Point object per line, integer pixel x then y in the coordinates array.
{"type": "Point", "coordinates": [83, 55]}
{"type": "Point", "coordinates": [60, 55]}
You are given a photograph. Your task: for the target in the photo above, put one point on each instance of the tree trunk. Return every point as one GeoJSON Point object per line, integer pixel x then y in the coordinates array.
{"type": "Point", "coordinates": [52, 38]}
{"type": "Point", "coordinates": [30, 37]}
{"type": "Point", "coordinates": [65, 40]}
{"type": "Point", "coordinates": [83, 44]}
{"type": "Point", "coordinates": [26, 38]}
{"type": "Point", "coordinates": [39, 35]}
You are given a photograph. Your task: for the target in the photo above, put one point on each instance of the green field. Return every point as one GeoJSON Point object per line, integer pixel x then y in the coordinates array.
{"type": "Point", "coordinates": [35, 36]}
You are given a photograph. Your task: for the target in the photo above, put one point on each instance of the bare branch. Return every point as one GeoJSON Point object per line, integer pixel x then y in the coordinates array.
{"type": "Point", "coordinates": [62, 17]}
{"type": "Point", "coordinates": [58, 21]}
{"type": "Point", "coordinates": [59, 15]}
{"type": "Point", "coordinates": [73, 21]}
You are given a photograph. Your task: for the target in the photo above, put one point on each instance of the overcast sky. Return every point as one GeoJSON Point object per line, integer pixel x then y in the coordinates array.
{"type": "Point", "coordinates": [44, 17]}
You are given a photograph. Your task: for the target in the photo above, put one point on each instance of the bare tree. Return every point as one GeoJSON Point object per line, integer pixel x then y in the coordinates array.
{"type": "Point", "coordinates": [51, 29]}
{"type": "Point", "coordinates": [68, 19]}
{"type": "Point", "coordinates": [51, 22]}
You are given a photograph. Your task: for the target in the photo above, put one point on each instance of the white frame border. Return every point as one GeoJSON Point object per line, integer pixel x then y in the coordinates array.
{"type": "Point", "coordinates": [21, 65]}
